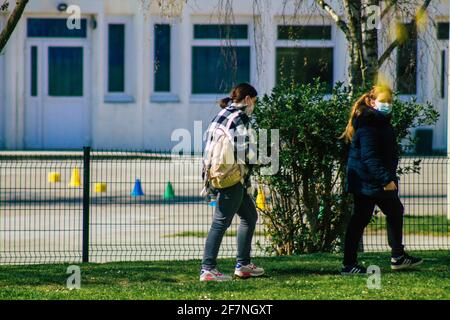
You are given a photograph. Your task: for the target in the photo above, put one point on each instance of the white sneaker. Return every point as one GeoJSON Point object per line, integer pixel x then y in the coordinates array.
{"type": "Point", "coordinates": [213, 275]}
{"type": "Point", "coordinates": [248, 271]}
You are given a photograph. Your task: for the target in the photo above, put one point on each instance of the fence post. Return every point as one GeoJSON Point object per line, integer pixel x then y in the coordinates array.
{"type": "Point", "coordinates": [86, 200]}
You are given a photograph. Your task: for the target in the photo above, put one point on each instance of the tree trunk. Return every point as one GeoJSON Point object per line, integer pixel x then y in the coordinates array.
{"type": "Point", "coordinates": [370, 46]}
{"type": "Point", "coordinates": [12, 23]}
{"type": "Point", "coordinates": [355, 77]}
{"type": "Point", "coordinates": [355, 72]}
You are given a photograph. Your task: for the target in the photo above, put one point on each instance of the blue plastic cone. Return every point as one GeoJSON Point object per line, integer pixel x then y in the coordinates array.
{"type": "Point", "coordinates": [213, 203]}
{"type": "Point", "coordinates": [137, 191]}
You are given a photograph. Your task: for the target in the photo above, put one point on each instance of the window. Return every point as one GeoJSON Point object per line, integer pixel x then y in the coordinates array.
{"type": "Point", "coordinates": [34, 71]}
{"type": "Point", "coordinates": [216, 31]}
{"type": "Point", "coordinates": [54, 28]}
{"type": "Point", "coordinates": [303, 65]}
{"type": "Point", "coordinates": [424, 141]}
{"type": "Point", "coordinates": [443, 73]}
{"type": "Point", "coordinates": [443, 30]}
{"type": "Point", "coordinates": [220, 58]}
{"type": "Point", "coordinates": [116, 58]}
{"type": "Point", "coordinates": [162, 58]}
{"type": "Point", "coordinates": [214, 70]}
{"type": "Point", "coordinates": [119, 81]}
{"type": "Point", "coordinates": [65, 71]}
{"type": "Point", "coordinates": [304, 61]}
{"type": "Point", "coordinates": [407, 62]}
{"type": "Point", "coordinates": [304, 32]}
{"type": "Point", "coordinates": [443, 35]}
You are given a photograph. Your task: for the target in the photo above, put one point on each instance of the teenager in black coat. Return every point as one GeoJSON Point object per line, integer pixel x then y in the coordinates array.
{"type": "Point", "coordinates": [372, 178]}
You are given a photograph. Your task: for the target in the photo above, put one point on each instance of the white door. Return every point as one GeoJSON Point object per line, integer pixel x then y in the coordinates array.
{"type": "Point", "coordinates": [57, 104]}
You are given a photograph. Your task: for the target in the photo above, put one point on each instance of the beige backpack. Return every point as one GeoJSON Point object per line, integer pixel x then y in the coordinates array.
{"type": "Point", "coordinates": [222, 169]}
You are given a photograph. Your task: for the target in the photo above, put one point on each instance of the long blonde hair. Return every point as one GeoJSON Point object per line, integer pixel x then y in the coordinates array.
{"type": "Point", "coordinates": [383, 93]}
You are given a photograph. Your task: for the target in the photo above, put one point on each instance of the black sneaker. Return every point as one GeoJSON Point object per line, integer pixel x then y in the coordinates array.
{"type": "Point", "coordinates": [404, 262]}
{"type": "Point", "coordinates": [353, 270]}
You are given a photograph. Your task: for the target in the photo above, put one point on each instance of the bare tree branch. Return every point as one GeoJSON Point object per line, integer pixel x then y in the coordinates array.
{"type": "Point", "coordinates": [386, 10]}
{"type": "Point", "coordinates": [12, 22]}
{"type": "Point", "coordinates": [395, 43]}
{"type": "Point", "coordinates": [386, 54]}
{"type": "Point", "coordinates": [425, 5]}
{"type": "Point", "coordinates": [341, 24]}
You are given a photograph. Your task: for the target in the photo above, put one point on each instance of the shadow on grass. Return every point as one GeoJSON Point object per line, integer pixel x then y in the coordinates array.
{"type": "Point", "coordinates": [90, 274]}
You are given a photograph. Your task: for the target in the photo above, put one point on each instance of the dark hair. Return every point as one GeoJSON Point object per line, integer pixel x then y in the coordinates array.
{"type": "Point", "coordinates": [238, 94]}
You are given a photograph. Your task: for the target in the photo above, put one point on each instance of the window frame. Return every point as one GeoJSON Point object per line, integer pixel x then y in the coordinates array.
{"type": "Point", "coordinates": [172, 96]}
{"type": "Point", "coordinates": [302, 43]}
{"type": "Point", "coordinates": [249, 42]}
{"type": "Point", "coordinates": [127, 96]}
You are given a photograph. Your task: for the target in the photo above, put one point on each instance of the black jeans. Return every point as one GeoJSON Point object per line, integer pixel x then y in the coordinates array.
{"type": "Point", "coordinates": [363, 208]}
{"type": "Point", "coordinates": [229, 202]}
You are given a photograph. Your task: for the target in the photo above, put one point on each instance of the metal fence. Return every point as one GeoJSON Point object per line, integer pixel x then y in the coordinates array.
{"type": "Point", "coordinates": [424, 196]}
{"type": "Point", "coordinates": [119, 206]}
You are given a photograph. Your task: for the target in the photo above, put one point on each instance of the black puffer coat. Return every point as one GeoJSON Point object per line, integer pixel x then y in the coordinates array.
{"type": "Point", "coordinates": [373, 155]}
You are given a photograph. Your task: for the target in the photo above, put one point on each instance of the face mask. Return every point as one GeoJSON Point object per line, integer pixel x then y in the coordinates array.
{"type": "Point", "coordinates": [383, 107]}
{"type": "Point", "coordinates": [248, 110]}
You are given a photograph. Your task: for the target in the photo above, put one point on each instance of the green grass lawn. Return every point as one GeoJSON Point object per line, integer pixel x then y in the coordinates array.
{"type": "Point", "coordinates": [204, 234]}
{"type": "Point", "coordinates": [422, 225]}
{"type": "Point", "coordinates": [312, 276]}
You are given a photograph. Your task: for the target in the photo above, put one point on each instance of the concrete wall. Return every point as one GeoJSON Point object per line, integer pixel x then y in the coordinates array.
{"type": "Point", "coordinates": [145, 123]}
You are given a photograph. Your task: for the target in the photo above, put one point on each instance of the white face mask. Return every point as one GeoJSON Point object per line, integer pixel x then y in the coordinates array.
{"type": "Point", "coordinates": [383, 107]}
{"type": "Point", "coordinates": [244, 107]}
{"type": "Point", "coordinates": [249, 110]}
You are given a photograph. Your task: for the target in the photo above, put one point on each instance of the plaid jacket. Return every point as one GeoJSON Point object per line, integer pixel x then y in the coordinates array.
{"type": "Point", "coordinates": [241, 132]}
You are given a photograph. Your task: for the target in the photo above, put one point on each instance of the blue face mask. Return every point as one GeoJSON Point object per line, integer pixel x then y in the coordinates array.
{"type": "Point", "coordinates": [384, 107]}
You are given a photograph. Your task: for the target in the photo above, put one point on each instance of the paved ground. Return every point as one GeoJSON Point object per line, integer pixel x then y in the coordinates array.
{"type": "Point", "coordinates": [42, 221]}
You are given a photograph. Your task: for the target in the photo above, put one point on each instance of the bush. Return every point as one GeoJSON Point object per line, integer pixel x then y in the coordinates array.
{"type": "Point", "coordinates": [308, 207]}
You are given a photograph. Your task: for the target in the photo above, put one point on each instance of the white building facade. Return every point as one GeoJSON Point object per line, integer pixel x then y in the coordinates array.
{"type": "Point", "coordinates": [127, 78]}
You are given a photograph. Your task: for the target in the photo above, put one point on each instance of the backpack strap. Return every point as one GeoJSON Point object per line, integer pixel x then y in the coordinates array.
{"type": "Point", "coordinates": [229, 124]}
{"type": "Point", "coordinates": [234, 116]}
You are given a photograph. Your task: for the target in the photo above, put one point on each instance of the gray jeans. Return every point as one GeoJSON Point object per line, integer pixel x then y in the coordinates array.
{"type": "Point", "coordinates": [229, 202]}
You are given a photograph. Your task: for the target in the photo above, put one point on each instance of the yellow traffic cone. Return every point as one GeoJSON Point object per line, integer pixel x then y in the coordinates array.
{"type": "Point", "coordinates": [261, 200]}
{"type": "Point", "coordinates": [54, 177]}
{"type": "Point", "coordinates": [100, 187]}
{"type": "Point", "coordinates": [75, 178]}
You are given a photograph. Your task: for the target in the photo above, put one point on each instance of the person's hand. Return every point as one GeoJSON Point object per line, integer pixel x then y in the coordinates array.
{"type": "Point", "coordinates": [390, 187]}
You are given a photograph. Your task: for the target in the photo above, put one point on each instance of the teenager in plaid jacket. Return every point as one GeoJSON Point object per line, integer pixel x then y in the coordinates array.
{"type": "Point", "coordinates": [235, 199]}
